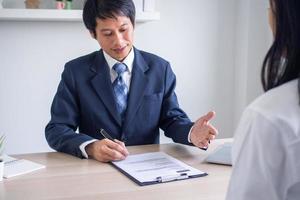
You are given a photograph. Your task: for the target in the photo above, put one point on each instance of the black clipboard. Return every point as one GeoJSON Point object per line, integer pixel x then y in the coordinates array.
{"type": "Point", "coordinates": [160, 179]}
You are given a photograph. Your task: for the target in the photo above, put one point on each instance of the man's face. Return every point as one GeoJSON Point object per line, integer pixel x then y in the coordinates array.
{"type": "Point", "coordinates": [115, 36]}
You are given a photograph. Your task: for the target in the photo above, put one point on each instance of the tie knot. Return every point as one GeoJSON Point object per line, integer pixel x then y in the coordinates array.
{"type": "Point", "coordinates": [120, 68]}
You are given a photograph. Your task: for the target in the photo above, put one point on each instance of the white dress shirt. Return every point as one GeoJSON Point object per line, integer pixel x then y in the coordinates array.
{"type": "Point", "coordinates": [266, 150]}
{"type": "Point", "coordinates": [128, 61]}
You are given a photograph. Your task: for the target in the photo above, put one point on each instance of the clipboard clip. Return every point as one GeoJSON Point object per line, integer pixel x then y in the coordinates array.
{"type": "Point", "coordinates": [168, 178]}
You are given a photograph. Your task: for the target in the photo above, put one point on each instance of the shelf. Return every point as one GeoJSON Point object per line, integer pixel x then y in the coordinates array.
{"type": "Point", "coordinates": [59, 15]}
{"type": "Point", "coordinates": [147, 16]}
{"type": "Point", "coordinates": [40, 15]}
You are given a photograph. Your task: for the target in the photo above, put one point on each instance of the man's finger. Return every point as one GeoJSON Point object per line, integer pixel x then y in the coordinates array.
{"type": "Point", "coordinates": [209, 116]}
{"type": "Point", "coordinates": [206, 118]}
{"type": "Point", "coordinates": [113, 154]}
{"type": "Point", "coordinates": [210, 137]}
{"type": "Point", "coordinates": [212, 130]}
{"type": "Point", "coordinates": [117, 146]}
{"type": "Point", "coordinates": [124, 151]}
{"type": "Point", "coordinates": [202, 144]}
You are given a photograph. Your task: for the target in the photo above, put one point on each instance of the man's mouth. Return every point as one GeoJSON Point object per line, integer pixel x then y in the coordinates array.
{"type": "Point", "coordinates": [119, 50]}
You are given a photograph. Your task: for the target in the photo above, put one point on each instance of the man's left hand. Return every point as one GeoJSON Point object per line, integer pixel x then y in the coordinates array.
{"type": "Point", "coordinates": [203, 132]}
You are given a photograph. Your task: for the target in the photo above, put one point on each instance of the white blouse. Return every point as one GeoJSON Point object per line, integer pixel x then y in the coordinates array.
{"type": "Point", "coordinates": [266, 150]}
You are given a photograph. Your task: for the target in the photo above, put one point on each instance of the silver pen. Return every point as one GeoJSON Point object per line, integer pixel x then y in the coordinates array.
{"type": "Point", "coordinates": [106, 135]}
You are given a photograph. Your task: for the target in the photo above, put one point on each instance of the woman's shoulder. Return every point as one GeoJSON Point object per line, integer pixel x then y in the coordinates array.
{"type": "Point", "coordinates": [278, 99]}
{"type": "Point", "coordinates": [280, 105]}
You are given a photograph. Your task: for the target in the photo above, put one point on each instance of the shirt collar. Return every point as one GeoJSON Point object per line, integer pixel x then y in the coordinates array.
{"type": "Point", "coordinates": [128, 61]}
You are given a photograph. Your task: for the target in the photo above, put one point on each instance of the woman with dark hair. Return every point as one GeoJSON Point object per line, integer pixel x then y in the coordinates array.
{"type": "Point", "coordinates": [266, 151]}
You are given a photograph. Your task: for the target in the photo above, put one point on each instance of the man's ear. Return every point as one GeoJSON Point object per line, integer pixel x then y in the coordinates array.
{"type": "Point", "coordinates": [92, 34]}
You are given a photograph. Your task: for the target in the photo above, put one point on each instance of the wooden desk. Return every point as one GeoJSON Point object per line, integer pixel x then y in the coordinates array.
{"type": "Point", "coordinates": [67, 177]}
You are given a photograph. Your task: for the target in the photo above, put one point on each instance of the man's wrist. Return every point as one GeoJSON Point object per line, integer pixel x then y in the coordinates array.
{"type": "Point", "coordinates": [89, 150]}
{"type": "Point", "coordinates": [83, 148]}
{"type": "Point", "coordinates": [190, 134]}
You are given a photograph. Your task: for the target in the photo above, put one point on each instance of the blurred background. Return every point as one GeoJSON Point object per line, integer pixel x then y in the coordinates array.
{"type": "Point", "coordinates": [215, 48]}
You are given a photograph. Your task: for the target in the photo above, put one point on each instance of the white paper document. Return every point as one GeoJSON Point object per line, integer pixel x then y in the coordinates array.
{"type": "Point", "coordinates": [15, 167]}
{"type": "Point", "coordinates": [151, 168]}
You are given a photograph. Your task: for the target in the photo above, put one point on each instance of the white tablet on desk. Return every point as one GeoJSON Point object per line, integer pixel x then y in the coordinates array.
{"type": "Point", "coordinates": [222, 155]}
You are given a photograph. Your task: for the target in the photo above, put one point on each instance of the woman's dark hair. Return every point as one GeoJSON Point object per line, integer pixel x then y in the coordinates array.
{"type": "Point", "coordinates": [104, 9]}
{"type": "Point", "coordinates": [282, 62]}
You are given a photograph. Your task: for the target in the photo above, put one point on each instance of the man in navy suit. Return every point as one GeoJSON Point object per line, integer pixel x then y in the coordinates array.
{"type": "Point", "coordinates": [125, 91]}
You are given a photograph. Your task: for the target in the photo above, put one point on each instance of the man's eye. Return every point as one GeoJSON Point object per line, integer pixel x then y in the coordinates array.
{"type": "Point", "coordinates": [107, 33]}
{"type": "Point", "coordinates": [123, 30]}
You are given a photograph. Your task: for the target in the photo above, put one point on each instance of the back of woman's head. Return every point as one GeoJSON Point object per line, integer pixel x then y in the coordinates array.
{"type": "Point", "coordinates": [282, 62]}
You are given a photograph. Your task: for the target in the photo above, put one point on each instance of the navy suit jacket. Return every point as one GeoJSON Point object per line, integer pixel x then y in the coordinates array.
{"type": "Point", "coordinates": [85, 101]}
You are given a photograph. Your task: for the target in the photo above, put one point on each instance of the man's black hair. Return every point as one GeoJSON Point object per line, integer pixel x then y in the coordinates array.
{"type": "Point", "coordinates": [104, 9]}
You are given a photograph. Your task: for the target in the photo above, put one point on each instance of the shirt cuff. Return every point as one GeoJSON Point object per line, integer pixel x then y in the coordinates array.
{"type": "Point", "coordinates": [82, 147]}
{"type": "Point", "coordinates": [189, 135]}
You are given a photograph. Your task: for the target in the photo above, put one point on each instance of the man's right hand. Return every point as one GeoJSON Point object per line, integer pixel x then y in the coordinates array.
{"type": "Point", "coordinates": [106, 150]}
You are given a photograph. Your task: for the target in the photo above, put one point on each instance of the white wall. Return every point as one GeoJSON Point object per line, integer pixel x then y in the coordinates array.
{"type": "Point", "coordinates": [32, 57]}
{"type": "Point", "coordinates": [198, 37]}
{"type": "Point", "coordinates": [252, 42]}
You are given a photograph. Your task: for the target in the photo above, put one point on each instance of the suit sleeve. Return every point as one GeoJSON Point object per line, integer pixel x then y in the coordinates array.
{"type": "Point", "coordinates": [65, 115]}
{"type": "Point", "coordinates": [173, 120]}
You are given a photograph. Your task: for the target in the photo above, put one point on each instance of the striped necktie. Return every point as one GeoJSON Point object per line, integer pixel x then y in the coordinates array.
{"type": "Point", "coordinates": [120, 88]}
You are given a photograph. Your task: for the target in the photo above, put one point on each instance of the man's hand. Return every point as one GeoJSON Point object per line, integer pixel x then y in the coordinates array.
{"type": "Point", "coordinates": [106, 150]}
{"type": "Point", "coordinates": [203, 132]}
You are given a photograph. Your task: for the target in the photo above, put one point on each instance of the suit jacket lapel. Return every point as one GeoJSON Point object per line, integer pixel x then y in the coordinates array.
{"type": "Point", "coordinates": [137, 87]}
{"type": "Point", "coordinates": [103, 87]}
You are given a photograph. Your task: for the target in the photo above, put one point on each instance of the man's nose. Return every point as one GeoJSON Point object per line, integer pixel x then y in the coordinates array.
{"type": "Point", "coordinates": [118, 39]}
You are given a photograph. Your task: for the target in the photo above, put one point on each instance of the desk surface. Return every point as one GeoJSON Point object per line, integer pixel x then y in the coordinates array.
{"type": "Point", "coordinates": [67, 177]}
